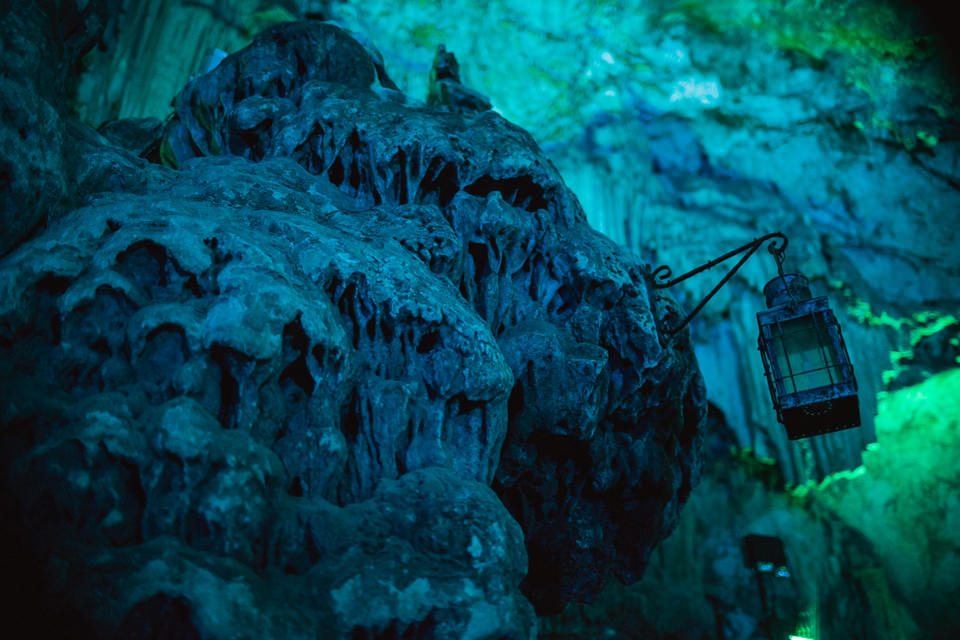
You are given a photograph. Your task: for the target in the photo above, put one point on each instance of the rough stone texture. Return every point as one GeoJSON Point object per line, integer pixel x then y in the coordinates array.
{"type": "Point", "coordinates": [31, 163]}
{"type": "Point", "coordinates": [904, 499]}
{"type": "Point", "coordinates": [140, 135]}
{"type": "Point", "coordinates": [266, 393]}
{"type": "Point", "coordinates": [446, 88]}
{"type": "Point", "coordinates": [889, 269]}
{"type": "Point", "coordinates": [32, 185]}
{"type": "Point", "coordinates": [687, 129]}
{"type": "Point", "coordinates": [847, 146]}
{"type": "Point", "coordinates": [41, 44]}
{"type": "Point", "coordinates": [870, 553]}
{"type": "Point", "coordinates": [161, 44]}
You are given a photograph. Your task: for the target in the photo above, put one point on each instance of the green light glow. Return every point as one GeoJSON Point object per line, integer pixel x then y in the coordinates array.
{"type": "Point", "coordinates": [914, 330]}
{"type": "Point", "coordinates": [567, 51]}
{"type": "Point", "coordinates": [807, 625]}
{"type": "Point", "coordinates": [930, 323]}
{"type": "Point", "coordinates": [902, 499]}
{"type": "Point", "coordinates": [927, 138]}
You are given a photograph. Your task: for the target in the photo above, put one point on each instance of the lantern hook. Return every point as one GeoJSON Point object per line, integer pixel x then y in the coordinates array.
{"type": "Point", "coordinates": [778, 255]}
{"type": "Point", "coordinates": [662, 274]}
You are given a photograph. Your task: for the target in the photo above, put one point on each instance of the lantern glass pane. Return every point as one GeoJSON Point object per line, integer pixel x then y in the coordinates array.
{"type": "Point", "coordinates": [805, 354]}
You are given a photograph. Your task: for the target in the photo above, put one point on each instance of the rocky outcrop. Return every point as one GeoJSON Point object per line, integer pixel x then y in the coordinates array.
{"type": "Point", "coordinates": [687, 130]}
{"type": "Point", "coordinates": [41, 47]}
{"type": "Point", "coordinates": [871, 552]}
{"type": "Point", "coordinates": [903, 501]}
{"type": "Point", "coordinates": [836, 125]}
{"type": "Point", "coordinates": [269, 389]}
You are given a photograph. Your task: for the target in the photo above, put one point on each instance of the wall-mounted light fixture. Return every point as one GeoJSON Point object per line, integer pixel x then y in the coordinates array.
{"type": "Point", "coordinates": [805, 360]}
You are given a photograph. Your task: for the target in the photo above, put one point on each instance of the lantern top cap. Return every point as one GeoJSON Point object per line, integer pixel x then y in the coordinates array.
{"type": "Point", "coordinates": [786, 288]}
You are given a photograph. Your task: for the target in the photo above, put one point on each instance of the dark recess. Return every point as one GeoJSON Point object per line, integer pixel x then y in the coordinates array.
{"type": "Point", "coordinates": [439, 183]}
{"type": "Point", "coordinates": [397, 630]}
{"type": "Point", "coordinates": [520, 191]}
{"type": "Point", "coordinates": [226, 358]}
{"type": "Point", "coordinates": [160, 617]}
{"type": "Point", "coordinates": [295, 348]}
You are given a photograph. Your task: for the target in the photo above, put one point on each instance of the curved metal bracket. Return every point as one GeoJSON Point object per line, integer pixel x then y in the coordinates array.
{"type": "Point", "coordinates": [661, 275]}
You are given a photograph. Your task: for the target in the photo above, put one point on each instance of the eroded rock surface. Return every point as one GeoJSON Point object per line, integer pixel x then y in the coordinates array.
{"type": "Point", "coordinates": [269, 390]}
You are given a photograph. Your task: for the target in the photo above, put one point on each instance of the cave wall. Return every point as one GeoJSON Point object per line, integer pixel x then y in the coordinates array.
{"type": "Point", "coordinates": [313, 358]}
{"type": "Point", "coordinates": [159, 45]}
{"type": "Point", "coordinates": [870, 218]}
{"type": "Point", "coordinates": [685, 129]}
{"type": "Point", "coordinates": [903, 500]}
{"type": "Point", "coordinates": [871, 553]}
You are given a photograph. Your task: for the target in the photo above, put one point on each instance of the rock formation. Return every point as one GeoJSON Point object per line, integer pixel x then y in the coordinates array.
{"type": "Point", "coordinates": [871, 553]}
{"type": "Point", "coordinates": [337, 363]}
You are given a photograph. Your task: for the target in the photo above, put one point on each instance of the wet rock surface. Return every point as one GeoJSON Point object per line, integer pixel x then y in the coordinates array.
{"type": "Point", "coordinates": [268, 391]}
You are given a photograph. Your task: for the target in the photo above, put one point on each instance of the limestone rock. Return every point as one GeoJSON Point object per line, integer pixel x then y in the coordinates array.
{"type": "Point", "coordinates": [447, 91]}
{"type": "Point", "coordinates": [903, 500]}
{"type": "Point", "coordinates": [138, 135]}
{"type": "Point", "coordinates": [268, 391]}
{"type": "Point", "coordinates": [41, 45]}
{"type": "Point", "coordinates": [32, 183]}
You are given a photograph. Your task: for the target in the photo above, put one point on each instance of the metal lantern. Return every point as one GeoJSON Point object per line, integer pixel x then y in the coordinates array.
{"type": "Point", "coordinates": [805, 360]}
